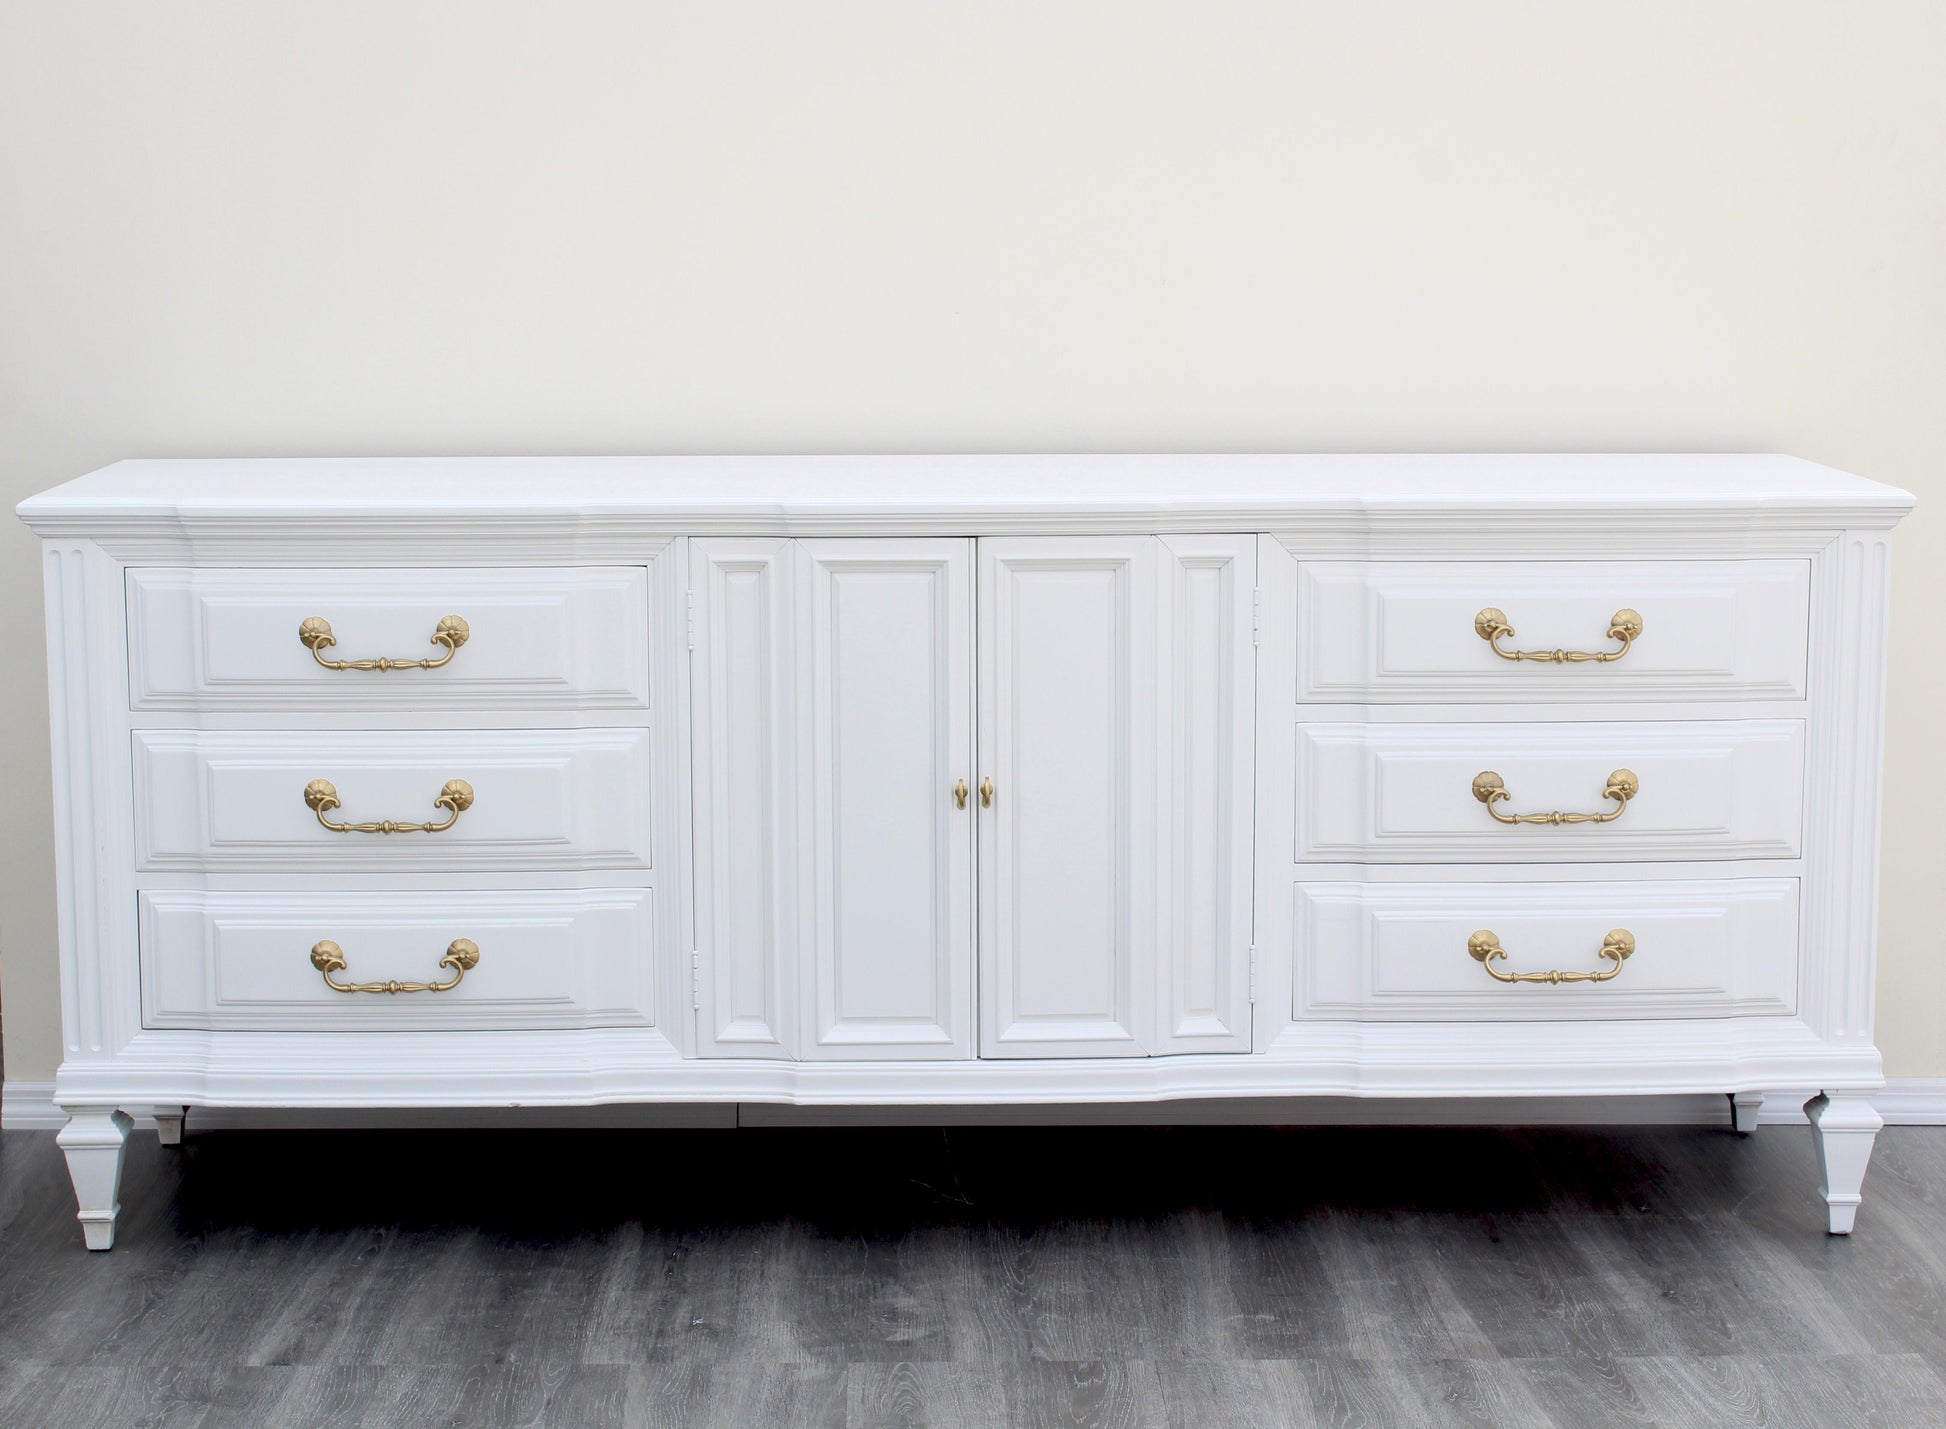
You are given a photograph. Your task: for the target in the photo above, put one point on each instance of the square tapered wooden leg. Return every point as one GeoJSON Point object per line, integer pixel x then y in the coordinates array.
{"type": "Point", "coordinates": [93, 1141]}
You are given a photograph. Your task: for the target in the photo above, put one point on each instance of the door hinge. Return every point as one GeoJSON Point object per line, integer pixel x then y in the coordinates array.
{"type": "Point", "coordinates": [692, 620]}
{"type": "Point", "coordinates": [695, 981]}
{"type": "Point", "coordinates": [1257, 616]}
{"type": "Point", "coordinates": [1253, 974]}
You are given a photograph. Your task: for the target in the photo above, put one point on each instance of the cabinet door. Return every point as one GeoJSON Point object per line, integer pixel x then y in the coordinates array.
{"type": "Point", "coordinates": [890, 710]}
{"type": "Point", "coordinates": [1116, 706]}
{"type": "Point", "coordinates": [832, 699]}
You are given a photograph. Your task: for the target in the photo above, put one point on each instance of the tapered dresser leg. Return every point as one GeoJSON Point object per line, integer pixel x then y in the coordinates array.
{"type": "Point", "coordinates": [93, 1140]}
{"type": "Point", "coordinates": [1845, 1124]}
{"type": "Point", "coordinates": [1744, 1107]}
{"type": "Point", "coordinates": [168, 1123]}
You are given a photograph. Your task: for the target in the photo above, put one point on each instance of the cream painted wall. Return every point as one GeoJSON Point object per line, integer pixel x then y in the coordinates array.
{"type": "Point", "coordinates": [233, 229]}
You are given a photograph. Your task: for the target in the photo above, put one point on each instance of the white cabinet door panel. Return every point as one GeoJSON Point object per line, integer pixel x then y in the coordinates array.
{"type": "Point", "coordinates": [1404, 630]}
{"type": "Point", "coordinates": [1400, 950]}
{"type": "Point", "coordinates": [1207, 663]}
{"type": "Point", "coordinates": [1704, 789]}
{"type": "Point", "coordinates": [744, 774]}
{"type": "Point", "coordinates": [890, 633]}
{"type": "Point", "coordinates": [1067, 849]}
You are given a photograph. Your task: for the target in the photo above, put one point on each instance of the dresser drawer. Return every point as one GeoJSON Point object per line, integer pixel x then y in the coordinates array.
{"type": "Point", "coordinates": [1412, 630]}
{"type": "Point", "coordinates": [1412, 950]}
{"type": "Point", "coordinates": [1433, 792]}
{"type": "Point", "coordinates": [527, 799]}
{"type": "Point", "coordinates": [251, 961]}
{"type": "Point", "coordinates": [216, 639]}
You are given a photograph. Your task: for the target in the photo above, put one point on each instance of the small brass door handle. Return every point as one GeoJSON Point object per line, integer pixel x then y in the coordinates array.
{"type": "Point", "coordinates": [1490, 624]}
{"type": "Point", "coordinates": [986, 793]}
{"type": "Point", "coordinates": [1616, 947]}
{"type": "Point", "coordinates": [959, 794]}
{"type": "Point", "coordinates": [1489, 789]}
{"type": "Point", "coordinates": [321, 795]}
{"type": "Point", "coordinates": [462, 955]}
{"type": "Point", "coordinates": [315, 632]}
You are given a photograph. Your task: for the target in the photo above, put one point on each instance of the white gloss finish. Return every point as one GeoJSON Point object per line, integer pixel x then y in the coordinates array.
{"type": "Point", "coordinates": [555, 958]}
{"type": "Point", "coordinates": [1404, 630]}
{"type": "Point", "coordinates": [889, 625]}
{"type": "Point", "coordinates": [1403, 793]}
{"type": "Point", "coordinates": [93, 1141]}
{"type": "Point", "coordinates": [1231, 708]}
{"type": "Point", "coordinates": [233, 800]}
{"type": "Point", "coordinates": [550, 639]}
{"type": "Point", "coordinates": [1703, 948]}
{"type": "Point", "coordinates": [1068, 739]}
{"type": "Point", "coordinates": [1845, 1125]}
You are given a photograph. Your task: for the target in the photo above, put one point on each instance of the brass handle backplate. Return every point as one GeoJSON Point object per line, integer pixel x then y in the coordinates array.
{"type": "Point", "coordinates": [462, 956]}
{"type": "Point", "coordinates": [316, 634]}
{"type": "Point", "coordinates": [1490, 624]}
{"type": "Point", "coordinates": [959, 794]}
{"type": "Point", "coordinates": [1489, 789]}
{"type": "Point", "coordinates": [986, 793]}
{"type": "Point", "coordinates": [1616, 947]}
{"type": "Point", "coordinates": [456, 798]}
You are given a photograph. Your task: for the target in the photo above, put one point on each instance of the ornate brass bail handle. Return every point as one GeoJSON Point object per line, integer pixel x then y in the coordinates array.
{"type": "Point", "coordinates": [1616, 947]}
{"type": "Point", "coordinates": [315, 632]}
{"type": "Point", "coordinates": [1490, 624]}
{"type": "Point", "coordinates": [1490, 790]}
{"type": "Point", "coordinates": [462, 956]}
{"type": "Point", "coordinates": [321, 795]}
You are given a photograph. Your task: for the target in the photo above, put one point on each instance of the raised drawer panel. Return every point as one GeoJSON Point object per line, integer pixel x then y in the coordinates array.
{"type": "Point", "coordinates": [1715, 630]}
{"type": "Point", "coordinates": [537, 639]}
{"type": "Point", "coordinates": [1406, 792]}
{"type": "Point", "coordinates": [1400, 950]}
{"type": "Point", "coordinates": [242, 961]}
{"type": "Point", "coordinates": [235, 800]}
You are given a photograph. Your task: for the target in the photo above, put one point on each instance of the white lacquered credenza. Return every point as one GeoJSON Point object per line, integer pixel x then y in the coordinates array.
{"type": "Point", "coordinates": [964, 780]}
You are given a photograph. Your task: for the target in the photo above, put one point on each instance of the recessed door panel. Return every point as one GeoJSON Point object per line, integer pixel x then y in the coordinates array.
{"type": "Point", "coordinates": [1067, 741]}
{"type": "Point", "coordinates": [891, 718]}
{"type": "Point", "coordinates": [745, 763]}
{"type": "Point", "coordinates": [1206, 670]}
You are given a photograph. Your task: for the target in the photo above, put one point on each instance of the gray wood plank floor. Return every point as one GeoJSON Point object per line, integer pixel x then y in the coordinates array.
{"type": "Point", "coordinates": [1006, 1277]}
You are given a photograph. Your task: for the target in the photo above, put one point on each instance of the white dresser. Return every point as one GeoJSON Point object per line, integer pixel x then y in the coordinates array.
{"type": "Point", "coordinates": [950, 780]}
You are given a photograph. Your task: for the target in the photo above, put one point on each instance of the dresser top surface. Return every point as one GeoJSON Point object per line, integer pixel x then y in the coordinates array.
{"type": "Point", "coordinates": [697, 487]}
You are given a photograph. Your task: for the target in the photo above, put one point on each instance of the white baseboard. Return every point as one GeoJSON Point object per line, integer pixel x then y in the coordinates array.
{"type": "Point", "coordinates": [1906, 1101]}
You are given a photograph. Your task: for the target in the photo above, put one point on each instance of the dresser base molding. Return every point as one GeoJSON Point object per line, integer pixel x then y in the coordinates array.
{"type": "Point", "coordinates": [1902, 1101]}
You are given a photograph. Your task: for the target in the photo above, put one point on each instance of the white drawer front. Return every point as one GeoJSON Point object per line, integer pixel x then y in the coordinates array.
{"type": "Point", "coordinates": [1400, 950]}
{"type": "Point", "coordinates": [1727, 630]}
{"type": "Point", "coordinates": [536, 639]}
{"type": "Point", "coordinates": [1405, 792]}
{"type": "Point", "coordinates": [242, 961]}
{"type": "Point", "coordinates": [542, 799]}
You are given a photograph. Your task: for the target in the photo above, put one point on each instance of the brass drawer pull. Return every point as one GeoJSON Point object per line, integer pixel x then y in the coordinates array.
{"type": "Point", "coordinates": [456, 798]}
{"type": "Point", "coordinates": [316, 634]}
{"type": "Point", "coordinates": [1491, 624]}
{"type": "Point", "coordinates": [959, 794]}
{"type": "Point", "coordinates": [1489, 789]}
{"type": "Point", "coordinates": [1616, 947]}
{"type": "Point", "coordinates": [986, 793]}
{"type": "Point", "coordinates": [462, 956]}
